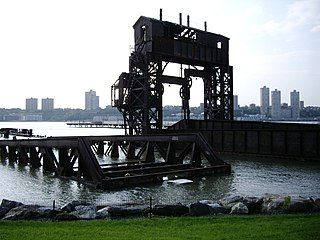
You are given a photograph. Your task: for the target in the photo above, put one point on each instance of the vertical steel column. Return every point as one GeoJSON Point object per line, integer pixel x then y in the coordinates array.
{"type": "Point", "coordinates": [171, 153]}
{"type": "Point", "coordinates": [114, 150]}
{"type": "Point", "coordinates": [149, 153]}
{"type": "Point", "coordinates": [131, 152]}
{"type": "Point", "coordinates": [23, 156]}
{"type": "Point", "coordinates": [12, 154]}
{"type": "Point", "coordinates": [34, 158]}
{"type": "Point", "coordinates": [100, 148]}
{"type": "Point", "coordinates": [3, 153]}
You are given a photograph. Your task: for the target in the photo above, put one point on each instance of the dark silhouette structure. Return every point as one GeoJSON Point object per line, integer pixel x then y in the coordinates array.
{"type": "Point", "coordinates": [138, 93]}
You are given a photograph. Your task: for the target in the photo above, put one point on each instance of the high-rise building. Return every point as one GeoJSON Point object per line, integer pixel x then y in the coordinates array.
{"type": "Point", "coordinates": [32, 104]}
{"type": "Point", "coordinates": [235, 102]}
{"type": "Point", "coordinates": [295, 104]}
{"type": "Point", "coordinates": [285, 111]}
{"type": "Point", "coordinates": [301, 105]}
{"type": "Point", "coordinates": [264, 100]}
{"type": "Point", "coordinates": [276, 104]}
{"type": "Point", "coordinates": [47, 104]}
{"type": "Point", "coordinates": [91, 100]}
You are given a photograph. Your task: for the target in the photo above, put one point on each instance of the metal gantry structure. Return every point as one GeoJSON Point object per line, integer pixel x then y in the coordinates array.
{"type": "Point", "coordinates": [202, 54]}
{"type": "Point", "coordinates": [138, 159]}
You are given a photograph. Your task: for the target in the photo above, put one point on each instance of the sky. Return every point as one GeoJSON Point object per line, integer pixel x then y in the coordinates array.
{"type": "Point", "coordinates": [62, 48]}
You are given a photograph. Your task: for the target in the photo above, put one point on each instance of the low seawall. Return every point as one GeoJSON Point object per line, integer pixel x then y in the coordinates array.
{"type": "Point", "coordinates": [292, 140]}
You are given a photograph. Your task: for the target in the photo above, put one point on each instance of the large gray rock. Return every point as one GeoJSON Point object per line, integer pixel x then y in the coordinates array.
{"type": "Point", "coordinates": [206, 201]}
{"type": "Point", "coordinates": [3, 211]}
{"type": "Point", "coordinates": [254, 204]}
{"type": "Point", "coordinates": [229, 202]}
{"type": "Point", "coordinates": [128, 211]}
{"type": "Point", "coordinates": [274, 204]}
{"type": "Point", "coordinates": [239, 208]}
{"type": "Point", "coordinates": [170, 210]}
{"type": "Point", "coordinates": [71, 206]}
{"type": "Point", "coordinates": [199, 209]}
{"type": "Point", "coordinates": [85, 212]}
{"type": "Point", "coordinates": [66, 217]}
{"type": "Point", "coordinates": [10, 204]}
{"type": "Point", "coordinates": [317, 204]}
{"type": "Point", "coordinates": [216, 208]}
{"type": "Point", "coordinates": [27, 212]}
{"type": "Point", "coordinates": [300, 205]}
{"type": "Point", "coordinates": [103, 213]}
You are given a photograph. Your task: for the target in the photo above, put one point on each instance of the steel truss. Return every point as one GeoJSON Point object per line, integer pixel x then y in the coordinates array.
{"type": "Point", "coordinates": [138, 94]}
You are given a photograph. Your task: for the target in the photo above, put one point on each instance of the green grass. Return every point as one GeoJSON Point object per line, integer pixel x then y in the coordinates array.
{"type": "Point", "coordinates": [230, 227]}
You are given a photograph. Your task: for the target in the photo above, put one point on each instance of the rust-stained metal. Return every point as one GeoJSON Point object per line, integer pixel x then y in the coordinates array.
{"type": "Point", "coordinates": [138, 93]}
{"type": "Point", "coordinates": [75, 157]}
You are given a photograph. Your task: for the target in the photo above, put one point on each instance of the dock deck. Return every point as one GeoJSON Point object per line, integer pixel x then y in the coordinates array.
{"type": "Point", "coordinates": [95, 125]}
{"type": "Point", "coordinates": [146, 158]}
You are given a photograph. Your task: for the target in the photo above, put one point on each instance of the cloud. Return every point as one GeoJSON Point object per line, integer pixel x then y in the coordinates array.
{"type": "Point", "coordinates": [316, 29]}
{"type": "Point", "coordinates": [304, 13]}
{"type": "Point", "coordinates": [269, 27]}
{"type": "Point", "coordinates": [254, 11]}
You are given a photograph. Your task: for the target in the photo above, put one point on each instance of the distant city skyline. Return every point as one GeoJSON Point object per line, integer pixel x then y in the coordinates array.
{"type": "Point", "coordinates": [47, 104]}
{"type": "Point", "coordinates": [63, 48]}
{"type": "Point", "coordinates": [91, 100]}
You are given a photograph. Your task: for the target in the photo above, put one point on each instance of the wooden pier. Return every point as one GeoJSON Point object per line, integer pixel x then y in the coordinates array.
{"type": "Point", "coordinates": [95, 125]}
{"type": "Point", "coordinates": [6, 132]}
{"type": "Point", "coordinates": [145, 159]}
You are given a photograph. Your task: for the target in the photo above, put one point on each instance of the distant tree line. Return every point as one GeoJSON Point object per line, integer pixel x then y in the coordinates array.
{"type": "Point", "coordinates": [170, 113]}
{"type": "Point", "coordinates": [310, 112]}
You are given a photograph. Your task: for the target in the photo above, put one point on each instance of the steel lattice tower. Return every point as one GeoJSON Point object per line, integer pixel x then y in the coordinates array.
{"type": "Point", "coordinates": [138, 93]}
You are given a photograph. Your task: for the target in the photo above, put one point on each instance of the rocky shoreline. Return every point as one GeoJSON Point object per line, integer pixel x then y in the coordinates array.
{"type": "Point", "coordinates": [235, 205]}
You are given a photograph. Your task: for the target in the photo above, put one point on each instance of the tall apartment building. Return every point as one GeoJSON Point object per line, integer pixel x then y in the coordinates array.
{"type": "Point", "coordinates": [91, 100]}
{"type": "Point", "coordinates": [47, 104]}
{"type": "Point", "coordinates": [295, 104]}
{"type": "Point", "coordinates": [275, 104]}
{"type": "Point", "coordinates": [235, 102]}
{"type": "Point", "coordinates": [301, 105]}
{"type": "Point", "coordinates": [264, 100]}
{"type": "Point", "coordinates": [32, 104]}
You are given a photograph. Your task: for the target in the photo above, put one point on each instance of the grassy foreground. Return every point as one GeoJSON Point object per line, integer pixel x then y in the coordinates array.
{"type": "Point", "coordinates": [237, 227]}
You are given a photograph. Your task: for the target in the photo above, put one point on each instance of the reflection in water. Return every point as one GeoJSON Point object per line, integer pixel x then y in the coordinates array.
{"type": "Point", "coordinates": [250, 176]}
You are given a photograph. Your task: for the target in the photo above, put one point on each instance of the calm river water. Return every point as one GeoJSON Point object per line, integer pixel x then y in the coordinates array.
{"type": "Point", "coordinates": [250, 176]}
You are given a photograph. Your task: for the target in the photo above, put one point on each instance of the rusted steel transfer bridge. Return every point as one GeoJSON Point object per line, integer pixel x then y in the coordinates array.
{"type": "Point", "coordinates": [143, 159]}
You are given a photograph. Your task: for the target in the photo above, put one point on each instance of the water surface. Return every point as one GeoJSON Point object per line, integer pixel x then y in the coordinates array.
{"type": "Point", "coordinates": [250, 176]}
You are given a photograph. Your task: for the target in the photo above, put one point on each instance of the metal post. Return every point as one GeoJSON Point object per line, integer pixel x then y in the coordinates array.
{"type": "Point", "coordinates": [131, 151]}
{"type": "Point", "coordinates": [114, 150]}
{"type": "Point", "coordinates": [205, 26]}
{"type": "Point", "coordinates": [180, 18]}
{"type": "Point", "coordinates": [150, 207]}
{"type": "Point", "coordinates": [100, 149]}
{"type": "Point", "coordinates": [188, 20]}
{"type": "Point", "coordinates": [160, 14]}
{"type": "Point", "coordinates": [149, 154]}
